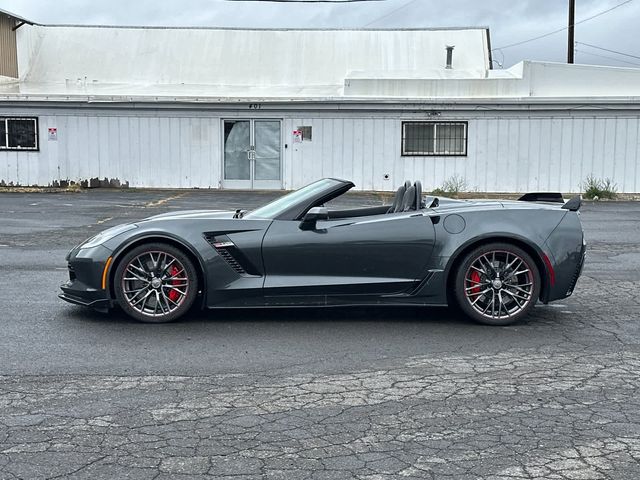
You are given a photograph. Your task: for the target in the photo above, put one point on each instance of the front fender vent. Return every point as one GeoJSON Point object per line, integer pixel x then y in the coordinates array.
{"type": "Point", "coordinates": [233, 263]}
{"type": "Point", "coordinates": [232, 255]}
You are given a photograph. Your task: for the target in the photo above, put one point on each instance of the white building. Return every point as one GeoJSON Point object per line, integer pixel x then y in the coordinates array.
{"type": "Point", "coordinates": [276, 109]}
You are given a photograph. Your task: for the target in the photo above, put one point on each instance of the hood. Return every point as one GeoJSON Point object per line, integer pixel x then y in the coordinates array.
{"type": "Point", "coordinates": [191, 215]}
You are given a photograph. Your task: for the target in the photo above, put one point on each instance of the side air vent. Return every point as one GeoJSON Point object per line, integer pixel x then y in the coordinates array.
{"type": "Point", "coordinates": [233, 263]}
{"type": "Point", "coordinates": [232, 255]}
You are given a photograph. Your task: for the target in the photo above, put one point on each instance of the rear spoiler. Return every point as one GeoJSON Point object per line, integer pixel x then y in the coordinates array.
{"type": "Point", "coordinates": [542, 197]}
{"type": "Point", "coordinates": [572, 205]}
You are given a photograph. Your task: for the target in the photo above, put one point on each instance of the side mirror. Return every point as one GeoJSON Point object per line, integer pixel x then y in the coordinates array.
{"type": "Point", "coordinates": [312, 216]}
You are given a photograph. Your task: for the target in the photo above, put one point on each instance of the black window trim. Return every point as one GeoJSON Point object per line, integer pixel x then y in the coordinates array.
{"type": "Point", "coordinates": [465, 123]}
{"type": "Point", "coordinates": [7, 148]}
{"type": "Point", "coordinates": [306, 128]}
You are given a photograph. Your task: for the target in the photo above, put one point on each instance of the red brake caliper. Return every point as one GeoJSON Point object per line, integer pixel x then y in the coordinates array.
{"type": "Point", "coordinates": [475, 279]}
{"type": "Point", "coordinates": [173, 294]}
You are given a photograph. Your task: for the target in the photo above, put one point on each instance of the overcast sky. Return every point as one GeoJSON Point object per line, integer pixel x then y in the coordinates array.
{"type": "Point", "coordinates": [510, 21]}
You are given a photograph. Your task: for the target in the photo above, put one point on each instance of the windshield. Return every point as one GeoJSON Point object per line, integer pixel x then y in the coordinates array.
{"type": "Point", "coordinates": [274, 209]}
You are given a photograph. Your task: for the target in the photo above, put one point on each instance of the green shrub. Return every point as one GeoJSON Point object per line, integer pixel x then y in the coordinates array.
{"type": "Point", "coordinates": [597, 189]}
{"type": "Point", "coordinates": [451, 187]}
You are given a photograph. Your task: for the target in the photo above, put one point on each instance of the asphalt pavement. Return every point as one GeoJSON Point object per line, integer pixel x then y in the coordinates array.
{"type": "Point", "coordinates": [368, 393]}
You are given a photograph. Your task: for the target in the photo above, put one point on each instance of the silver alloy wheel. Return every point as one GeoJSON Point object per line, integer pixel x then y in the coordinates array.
{"type": "Point", "coordinates": [499, 284]}
{"type": "Point", "coordinates": [155, 283]}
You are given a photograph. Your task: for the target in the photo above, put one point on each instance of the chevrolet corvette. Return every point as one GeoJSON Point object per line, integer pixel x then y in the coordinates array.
{"type": "Point", "coordinates": [494, 259]}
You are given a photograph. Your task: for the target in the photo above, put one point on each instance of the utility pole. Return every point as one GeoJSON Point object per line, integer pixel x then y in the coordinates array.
{"type": "Point", "coordinates": [572, 31]}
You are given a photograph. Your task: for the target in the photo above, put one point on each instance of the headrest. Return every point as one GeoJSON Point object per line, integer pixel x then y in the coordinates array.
{"type": "Point", "coordinates": [418, 186]}
{"type": "Point", "coordinates": [397, 200]}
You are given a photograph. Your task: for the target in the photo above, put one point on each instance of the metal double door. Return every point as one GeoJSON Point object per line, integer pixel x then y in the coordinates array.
{"type": "Point", "coordinates": [252, 154]}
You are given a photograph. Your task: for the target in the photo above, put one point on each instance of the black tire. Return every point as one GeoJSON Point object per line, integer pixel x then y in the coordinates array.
{"type": "Point", "coordinates": [155, 283]}
{"type": "Point", "coordinates": [497, 284]}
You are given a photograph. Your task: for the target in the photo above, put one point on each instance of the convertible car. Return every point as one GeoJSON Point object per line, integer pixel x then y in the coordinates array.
{"type": "Point", "coordinates": [493, 259]}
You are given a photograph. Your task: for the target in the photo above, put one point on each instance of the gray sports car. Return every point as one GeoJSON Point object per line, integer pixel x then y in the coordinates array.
{"type": "Point", "coordinates": [494, 259]}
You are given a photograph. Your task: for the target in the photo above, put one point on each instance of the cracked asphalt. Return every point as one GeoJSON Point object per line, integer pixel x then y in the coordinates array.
{"type": "Point", "coordinates": [363, 393]}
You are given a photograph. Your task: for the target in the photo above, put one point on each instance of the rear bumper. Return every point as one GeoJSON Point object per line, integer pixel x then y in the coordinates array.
{"type": "Point", "coordinates": [578, 272]}
{"type": "Point", "coordinates": [566, 249]}
{"type": "Point", "coordinates": [567, 273]}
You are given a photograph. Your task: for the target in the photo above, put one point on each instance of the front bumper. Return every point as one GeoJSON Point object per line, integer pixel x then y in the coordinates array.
{"type": "Point", "coordinates": [100, 304]}
{"type": "Point", "coordinates": [86, 267]}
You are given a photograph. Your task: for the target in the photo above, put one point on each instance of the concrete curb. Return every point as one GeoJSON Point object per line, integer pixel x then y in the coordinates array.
{"type": "Point", "coordinates": [621, 197]}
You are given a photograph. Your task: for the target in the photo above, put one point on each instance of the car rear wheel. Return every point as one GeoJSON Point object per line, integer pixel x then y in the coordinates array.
{"type": "Point", "coordinates": [155, 283]}
{"type": "Point", "coordinates": [497, 284]}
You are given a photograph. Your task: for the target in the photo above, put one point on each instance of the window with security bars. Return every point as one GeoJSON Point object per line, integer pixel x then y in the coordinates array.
{"type": "Point", "coordinates": [18, 133]}
{"type": "Point", "coordinates": [434, 138]}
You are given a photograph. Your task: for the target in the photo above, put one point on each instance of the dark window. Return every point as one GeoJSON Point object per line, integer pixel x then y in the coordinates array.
{"type": "Point", "coordinates": [434, 138]}
{"type": "Point", "coordinates": [19, 133]}
{"type": "Point", "coordinates": [306, 133]}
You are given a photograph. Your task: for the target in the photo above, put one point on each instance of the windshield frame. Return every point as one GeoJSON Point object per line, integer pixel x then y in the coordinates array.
{"type": "Point", "coordinates": [294, 205]}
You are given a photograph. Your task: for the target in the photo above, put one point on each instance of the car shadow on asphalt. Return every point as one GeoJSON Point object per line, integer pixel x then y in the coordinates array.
{"type": "Point", "coordinates": [388, 314]}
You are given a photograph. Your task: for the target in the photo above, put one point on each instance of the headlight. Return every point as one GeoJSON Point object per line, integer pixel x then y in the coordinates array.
{"type": "Point", "coordinates": [107, 234]}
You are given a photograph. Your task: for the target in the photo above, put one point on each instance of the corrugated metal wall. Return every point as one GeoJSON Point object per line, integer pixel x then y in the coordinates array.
{"type": "Point", "coordinates": [144, 151]}
{"type": "Point", "coordinates": [8, 52]}
{"type": "Point", "coordinates": [507, 151]}
{"type": "Point", "coordinates": [553, 152]}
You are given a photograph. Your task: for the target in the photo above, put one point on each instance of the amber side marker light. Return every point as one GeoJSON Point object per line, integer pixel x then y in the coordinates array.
{"type": "Point", "coordinates": [107, 264]}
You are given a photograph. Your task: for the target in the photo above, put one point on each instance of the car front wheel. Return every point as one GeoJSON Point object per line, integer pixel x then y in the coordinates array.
{"type": "Point", "coordinates": [155, 283]}
{"type": "Point", "coordinates": [497, 284]}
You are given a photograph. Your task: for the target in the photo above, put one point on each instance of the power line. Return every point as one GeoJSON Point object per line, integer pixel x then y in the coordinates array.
{"type": "Point", "coordinates": [608, 50]}
{"type": "Point", "coordinates": [608, 57]}
{"type": "Point", "coordinates": [391, 12]}
{"type": "Point", "coordinates": [539, 37]}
